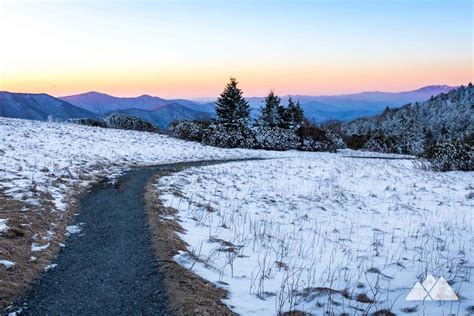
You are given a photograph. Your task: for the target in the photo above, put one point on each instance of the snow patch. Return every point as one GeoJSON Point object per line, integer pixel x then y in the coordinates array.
{"type": "Point", "coordinates": [73, 229]}
{"type": "Point", "coordinates": [7, 264]}
{"type": "Point", "coordinates": [38, 247]}
{"type": "Point", "coordinates": [50, 266]}
{"type": "Point", "coordinates": [3, 225]}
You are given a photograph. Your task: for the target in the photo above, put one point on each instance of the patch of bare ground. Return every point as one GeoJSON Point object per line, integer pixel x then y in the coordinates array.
{"type": "Point", "coordinates": [188, 294]}
{"type": "Point", "coordinates": [28, 224]}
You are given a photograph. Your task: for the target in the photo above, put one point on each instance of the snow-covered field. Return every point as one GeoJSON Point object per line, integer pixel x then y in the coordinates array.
{"type": "Point", "coordinates": [326, 233]}
{"type": "Point", "coordinates": [308, 231]}
{"type": "Point", "coordinates": [38, 157]}
{"type": "Point", "coordinates": [50, 162]}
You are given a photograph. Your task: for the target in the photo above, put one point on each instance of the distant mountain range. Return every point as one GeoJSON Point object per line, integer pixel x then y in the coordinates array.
{"type": "Point", "coordinates": [159, 111]}
{"type": "Point", "coordinates": [102, 103]}
{"type": "Point", "coordinates": [371, 97]}
{"type": "Point", "coordinates": [163, 112]}
{"type": "Point", "coordinates": [346, 107]}
{"type": "Point", "coordinates": [39, 107]}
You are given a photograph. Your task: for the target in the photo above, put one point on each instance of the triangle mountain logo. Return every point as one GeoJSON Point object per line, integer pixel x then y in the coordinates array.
{"type": "Point", "coordinates": [432, 290]}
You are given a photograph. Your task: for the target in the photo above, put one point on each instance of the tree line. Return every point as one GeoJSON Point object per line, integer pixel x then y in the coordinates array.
{"type": "Point", "coordinates": [278, 127]}
{"type": "Point", "coordinates": [233, 109]}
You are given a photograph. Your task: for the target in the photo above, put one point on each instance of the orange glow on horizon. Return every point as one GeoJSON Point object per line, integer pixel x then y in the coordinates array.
{"type": "Point", "coordinates": [255, 81]}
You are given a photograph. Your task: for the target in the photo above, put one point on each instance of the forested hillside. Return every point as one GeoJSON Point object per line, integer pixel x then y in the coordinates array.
{"type": "Point", "coordinates": [446, 117]}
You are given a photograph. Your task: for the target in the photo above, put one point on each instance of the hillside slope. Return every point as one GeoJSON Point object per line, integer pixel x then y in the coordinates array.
{"type": "Point", "coordinates": [446, 117]}
{"type": "Point", "coordinates": [38, 107]}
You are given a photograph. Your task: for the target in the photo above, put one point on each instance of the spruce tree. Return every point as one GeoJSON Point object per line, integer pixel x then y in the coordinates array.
{"type": "Point", "coordinates": [295, 114]}
{"type": "Point", "coordinates": [271, 112]}
{"type": "Point", "coordinates": [285, 115]}
{"type": "Point", "coordinates": [231, 106]}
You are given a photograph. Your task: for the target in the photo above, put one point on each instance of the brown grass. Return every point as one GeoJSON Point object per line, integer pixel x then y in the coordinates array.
{"type": "Point", "coordinates": [188, 294]}
{"type": "Point", "coordinates": [28, 224]}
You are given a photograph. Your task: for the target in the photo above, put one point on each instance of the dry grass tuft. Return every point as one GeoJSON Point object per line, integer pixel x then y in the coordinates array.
{"type": "Point", "coordinates": [28, 224]}
{"type": "Point", "coordinates": [188, 294]}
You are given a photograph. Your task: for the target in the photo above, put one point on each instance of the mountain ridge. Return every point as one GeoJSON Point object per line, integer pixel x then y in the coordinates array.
{"type": "Point", "coordinates": [445, 117]}
{"type": "Point", "coordinates": [320, 108]}
{"type": "Point", "coordinates": [39, 106]}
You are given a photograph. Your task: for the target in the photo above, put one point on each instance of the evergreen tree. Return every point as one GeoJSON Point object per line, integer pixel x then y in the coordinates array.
{"type": "Point", "coordinates": [231, 106]}
{"type": "Point", "coordinates": [295, 114]}
{"type": "Point", "coordinates": [271, 112]}
{"type": "Point", "coordinates": [286, 115]}
{"type": "Point", "coordinates": [428, 136]}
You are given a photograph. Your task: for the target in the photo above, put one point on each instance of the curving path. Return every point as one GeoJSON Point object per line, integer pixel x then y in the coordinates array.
{"type": "Point", "coordinates": [109, 267]}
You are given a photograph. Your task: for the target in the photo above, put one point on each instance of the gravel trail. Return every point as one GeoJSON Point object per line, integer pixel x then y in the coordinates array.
{"type": "Point", "coordinates": [108, 268]}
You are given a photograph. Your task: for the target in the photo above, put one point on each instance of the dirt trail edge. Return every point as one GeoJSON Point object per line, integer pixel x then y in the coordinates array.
{"type": "Point", "coordinates": [112, 265]}
{"type": "Point", "coordinates": [188, 294]}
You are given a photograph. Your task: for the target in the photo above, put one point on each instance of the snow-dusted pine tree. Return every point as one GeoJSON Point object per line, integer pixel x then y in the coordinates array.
{"type": "Point", "coordinates": [295, 114]}
{"type": "Point", "coordinates": [271, 112]}
{"type": "Point", "coordinates": [231, 107]}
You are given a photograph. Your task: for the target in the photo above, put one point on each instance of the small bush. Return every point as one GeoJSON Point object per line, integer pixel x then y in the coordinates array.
{"type": "Point", "coordinates": [356, 142]}
{"type": "Point", "coordinates": [229, 136]}
{"type": "Point", "coordinates": [191, 130]}
{"type": "Point", "coordinates": [313, 138]}
{"type": "Point", "coordinates": [381, 144]}
{"type": "Point", "coordinates": [309, 130]}
{"type": "Point", "coordinates": [129, 122]}
{"type": "Point", "coordinates": [335, 138]}
{"type": "Point", "coordinates": [310, 144]}
{"type": "Point", "coordinates": [88, 122]}
{"type": "Point", "coordinates": [258, 137]}
{"type": "Point", "coordinates": [447, 157]}
{"type": "Point", "coordinates": [275, 138]}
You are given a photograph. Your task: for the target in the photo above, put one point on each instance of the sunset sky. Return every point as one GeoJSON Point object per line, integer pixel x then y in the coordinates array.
{"type": "Point", "coordinates": [189, 49]}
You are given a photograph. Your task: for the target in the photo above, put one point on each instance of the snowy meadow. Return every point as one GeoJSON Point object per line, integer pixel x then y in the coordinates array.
{"type": "Point", "coordinates": [39, 157]}
{"type": "Point", "coordinates": [45, 166]}
{"type": "Point", "coordinates": [326, 233]}
{"type": "Point", "coordinates": [316, 232]}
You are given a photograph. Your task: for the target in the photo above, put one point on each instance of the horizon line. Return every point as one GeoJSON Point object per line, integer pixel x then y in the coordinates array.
{"type": "Point", "coordinates": [204, 98]}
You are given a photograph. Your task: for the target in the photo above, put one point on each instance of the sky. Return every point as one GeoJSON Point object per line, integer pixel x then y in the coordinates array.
{"type": "Point", "coordinates": [189, 49]}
